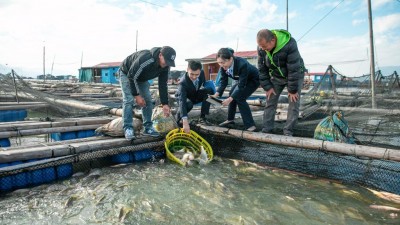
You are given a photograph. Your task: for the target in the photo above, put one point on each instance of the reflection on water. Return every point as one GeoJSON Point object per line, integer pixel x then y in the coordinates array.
{"type": "Point", "coordinates": [222, 192]}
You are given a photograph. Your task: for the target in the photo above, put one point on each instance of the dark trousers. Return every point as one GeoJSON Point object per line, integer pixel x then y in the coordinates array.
{"type": "Point", "coordinates": [272, 103]}
{"type": "Point", "coordinates": [201, 96]}
{"type": "Point", "coordinates": [240, 102]}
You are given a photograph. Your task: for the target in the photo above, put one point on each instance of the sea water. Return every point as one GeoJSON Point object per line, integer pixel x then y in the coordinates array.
{"type": "Point", "coordinates": [222, 192]}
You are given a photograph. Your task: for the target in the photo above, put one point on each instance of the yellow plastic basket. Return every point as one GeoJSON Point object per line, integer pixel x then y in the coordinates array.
{"type": "Point", "coordinates": [177, 139]}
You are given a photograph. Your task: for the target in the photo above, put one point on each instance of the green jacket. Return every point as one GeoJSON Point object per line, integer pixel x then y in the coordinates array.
{"type": "Point", "coordinates": [284, 62]}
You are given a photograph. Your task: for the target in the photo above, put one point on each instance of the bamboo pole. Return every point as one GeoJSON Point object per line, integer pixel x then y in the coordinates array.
{"type": "Point", "coordinates": [8, 134]}
{"type": "Point", "coordinates": [363, 110]}
{"type": "Point", "coordinates": [68, 102]}
{"type": "Point", "coordinates": [20, 103]}
{"type": "Point", "coordinates": [25, 106]}
{"type": "Point", "coordinates": [55, 143]}
{"type": "Point", "coordinates": [39, 125]}
{"type": "Point", "coordinates": [312, 144]}
{"type": "Point", "coordinates": [73, 148]}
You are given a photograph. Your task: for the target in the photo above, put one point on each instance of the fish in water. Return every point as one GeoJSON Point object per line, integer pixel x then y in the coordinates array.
{"type": "Point", "coordinates": [187, 157]}
{"type": "Point", "coordinates": [384, 208]}
{"type": "Point", "coordinates": [203, 158]}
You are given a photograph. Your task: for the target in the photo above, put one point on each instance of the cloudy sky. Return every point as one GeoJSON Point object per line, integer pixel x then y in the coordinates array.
{"type": "Point", "coordinates": [328, 32]}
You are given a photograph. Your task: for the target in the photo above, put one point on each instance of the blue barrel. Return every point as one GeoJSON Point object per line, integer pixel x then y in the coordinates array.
{"type": "Point", "coordinates": [63, 136]}
{"type": "Point", "coordinates": [6, 183]}
{"type": "Point", "coordinates": [68, 135]}
{"type": "Point", "coordinates": [122, 158]}
{"type": "Point", "coordinates": [64, 171]}
{"type": "Point", "coordinates": [49, 174]}
{"type": "Point", "coordinates": [146, 154]}
{"type": "Point", "coordinates": [20, 180]}
{"type": "Point", "coordinates": [36, 176]}
{"type": "Point", "coordinates": [5, 116]}
{"type": "Point", "coordinates": [22, 114]}
{"type": "Point", "coordinates": [90, 133]}
{"type": "Point", "coordinates": [55, 136]}
{"type": "Point", "coordinates": [81, 134]}
{"type": "Point", "coordinates": [2, 115]}
{"type": "Point", "coordinates": [5, 142]}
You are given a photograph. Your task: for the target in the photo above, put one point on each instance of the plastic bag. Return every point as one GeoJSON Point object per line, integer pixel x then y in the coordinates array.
{"type": "Point", "coordinates": [334, 129]}
{"type": "Point", "coordinates": [163, 124]}
{"type": "Point", "coordinates": [115, 128]}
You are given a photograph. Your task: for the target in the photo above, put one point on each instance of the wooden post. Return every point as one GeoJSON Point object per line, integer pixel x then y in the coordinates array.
{"type": "Point", "coordinates": [15, 85]}
{"type": "Point", "coordinates": [372, 59]}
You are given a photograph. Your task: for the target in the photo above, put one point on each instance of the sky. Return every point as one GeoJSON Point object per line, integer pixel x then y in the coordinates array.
{"type": "Point", "coordinates": [89, 32]}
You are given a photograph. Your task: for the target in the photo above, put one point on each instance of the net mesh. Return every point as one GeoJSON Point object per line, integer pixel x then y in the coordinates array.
{"type": "Point", "coordinates": [377, 174]}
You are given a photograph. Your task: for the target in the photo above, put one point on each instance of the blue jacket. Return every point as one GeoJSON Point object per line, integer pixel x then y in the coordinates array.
{"type": "Point", "coordinates": [187, 90]}
{"type": "Point", "coordinates": [243, 71]}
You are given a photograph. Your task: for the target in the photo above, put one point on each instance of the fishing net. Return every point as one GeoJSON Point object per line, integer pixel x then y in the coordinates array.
{"type": "Point", "coordinates": [352, 170]}
{"type": "Point", "coordinates": [15, 88]}
{"type": "Point", "coordinates": [335, 92]}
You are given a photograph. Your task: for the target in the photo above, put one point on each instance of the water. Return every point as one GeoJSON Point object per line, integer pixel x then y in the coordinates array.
{"type": "Point", "coordinates": [218, 193]}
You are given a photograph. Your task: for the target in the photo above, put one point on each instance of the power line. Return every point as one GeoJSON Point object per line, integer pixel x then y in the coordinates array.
{"type": "Point", "coordinates": [339, 62]}
{"type": "Point", "coordinates": [321, 20]}
{"type": "Point", "coordinates": [194, 15]}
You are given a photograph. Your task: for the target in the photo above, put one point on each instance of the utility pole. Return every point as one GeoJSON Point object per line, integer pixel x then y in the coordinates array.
{"type": "Point", "coordinates": [287, 15]}
{"type": "Point", "coordinates": [136, 39]}
{"type": "Point", "coordinates": [372, 58]}
{"type": "Point", "coordinates": [44, 62]}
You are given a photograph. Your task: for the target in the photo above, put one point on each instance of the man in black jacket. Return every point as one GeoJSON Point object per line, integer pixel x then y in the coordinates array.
{"type": "Point", "coordinates": [134, 72]}
{"type": "Point", "coordinates": [191, 91]}
{"type": "Point", "coordinates": [280, 65]}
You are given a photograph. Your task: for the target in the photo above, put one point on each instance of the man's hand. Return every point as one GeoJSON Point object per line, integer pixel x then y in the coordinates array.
{"type": "Point", "coordinates": [166, 110]}
{"type": "Point", "coordinates": [293, 97]}
{"type": "Point", "coordinates": [216, 95]}
{"type": "Point", "coordinates": [186, 126]}
{"type": "Point", "coordinates": [140, 101]}
{"type": "Point", "coordinates": [269, 93]}
{"type": "Point", "coordinates": [227, 101]}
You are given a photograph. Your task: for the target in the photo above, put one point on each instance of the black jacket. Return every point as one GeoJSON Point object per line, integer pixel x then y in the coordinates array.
{"type": "Point", "coordinates": [186, 90]}
{"type": "Point", "coordinates": [143, 66]}
{"type": "Point", "coordinates": [286, 64]}
{"type": "Point", "coordinates": [242, 71]}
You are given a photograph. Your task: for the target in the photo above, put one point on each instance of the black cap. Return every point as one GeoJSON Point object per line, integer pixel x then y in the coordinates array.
{"type": "Point", "coordinates": [169, 55]}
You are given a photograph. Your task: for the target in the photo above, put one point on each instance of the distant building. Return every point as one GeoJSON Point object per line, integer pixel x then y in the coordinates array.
{"type": "Point", "coordinates": [107, 73]}
{"type": "Point", "coordinates": [100, 73]}
{"type": "Point", "coordinates": [317, 76]}
{"type": "Point", "coordinates": [211, 67]}
{"type": "Point", "coordinates": [58, 77]}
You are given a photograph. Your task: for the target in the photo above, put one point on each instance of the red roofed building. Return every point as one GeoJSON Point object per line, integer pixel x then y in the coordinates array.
{"type": "Point", "coordinates": [211, 67]}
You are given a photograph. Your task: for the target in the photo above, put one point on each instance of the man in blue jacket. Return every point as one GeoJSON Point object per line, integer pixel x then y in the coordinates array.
{"type": "Point", "coordinates": [191, 91]}
{"type": "Point", "coordinates": [280, 65]}
{"type": "Point", "coordinates": [134, 72]}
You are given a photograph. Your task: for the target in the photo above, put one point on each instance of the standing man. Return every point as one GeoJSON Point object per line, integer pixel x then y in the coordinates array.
{"type": "Point", "coordinates": [280, 65]}
{"type": "Point", "coordinates": [191, 90]}
{"type": "Point", "coordinates": [134, 72]}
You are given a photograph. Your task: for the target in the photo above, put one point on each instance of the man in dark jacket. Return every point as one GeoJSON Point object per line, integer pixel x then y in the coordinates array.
{"type": "Point", "coordinates": [280, 65]}
{"type": "Point", "coordinates": [134, 72]}
{"type": "Point", "coordinates": [191, 91]}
